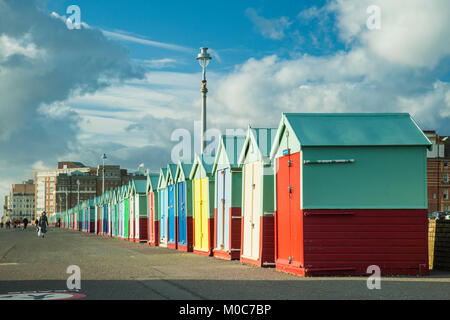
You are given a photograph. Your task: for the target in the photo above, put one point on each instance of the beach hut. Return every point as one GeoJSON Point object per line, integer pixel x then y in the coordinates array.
{"type": "Point", "coordinates": [139, 196]}
{"type": "Point", "coordinates": [172, 222]}
{"type": "Point", "coordinates": [105, 215]}
{"type": "Point", "coordinates": [89, 216]}
{"type": "Point", "coordinates": [126, 212]}
{"type": "Point", "coordinates": [96, 215]}
{"type": "Point", "coordinates": [132, 221]}
{"type": "Point", "coordinates": [152, 209]}
{"type": "Point", "coordinates": [115, 212]}
{"type": "Point", "coordinates": [184, 207]}
{"type": "Point", "coordinates": [228, 198]}
{"type": "Point", "coordinates": [203, 200]}
{"type": "Point", "coordinates": [162, 206]}
{"type": "Point", "coordinates": [257, 223]}
{"type": "Point", "coordinates": [121, 217]}
{"type": "Point", "coordinates": [351, 192]}
{"type": "Point", "coordinates": [110, 212]}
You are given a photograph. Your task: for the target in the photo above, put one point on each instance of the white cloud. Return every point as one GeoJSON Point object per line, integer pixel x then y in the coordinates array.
{"type": "Point", "coordinates": [379, 72]}
{"type": "Point", "coordinates": [269, 28]}
{"type": "Point", "coordinates": [42, 64]}
{"type": "Point", "coordinates": [121, 35]}
{"type": "Point", "coordinates": [413, 33]}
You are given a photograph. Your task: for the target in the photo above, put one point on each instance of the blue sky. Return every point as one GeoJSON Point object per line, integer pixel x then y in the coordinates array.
{"type": "Point", "coordinates": [127, 82]}
{"type": "Point", "coordinates": [222, 25]}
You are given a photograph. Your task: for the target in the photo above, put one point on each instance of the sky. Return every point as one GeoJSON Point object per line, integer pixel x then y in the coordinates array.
{"type": "Point", "coordinates": [128, 79]}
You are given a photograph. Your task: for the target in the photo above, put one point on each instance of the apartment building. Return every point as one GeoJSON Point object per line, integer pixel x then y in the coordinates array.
{"type": "Point", "coordinates": [20, 203]}
{"type": "Point", "coordinates": [438, 169]}
{"type": "Point", "coordinates": [72, 183]}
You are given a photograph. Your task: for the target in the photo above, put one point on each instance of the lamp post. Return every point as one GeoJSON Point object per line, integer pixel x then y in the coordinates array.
{"type": "Point", "coordinates": [103, 174]}
{"type": "Point", "coordinates": [203, 58]}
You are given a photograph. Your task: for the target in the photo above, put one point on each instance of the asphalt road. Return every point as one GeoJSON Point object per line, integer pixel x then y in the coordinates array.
{"type": "Point", "coordinates": [116, 269]}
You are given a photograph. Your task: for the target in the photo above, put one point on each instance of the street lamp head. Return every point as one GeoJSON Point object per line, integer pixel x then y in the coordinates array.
{"type": "Point", "coordinates": [204, 57]}
{"type": "Point", "coordinates": [104, 156]}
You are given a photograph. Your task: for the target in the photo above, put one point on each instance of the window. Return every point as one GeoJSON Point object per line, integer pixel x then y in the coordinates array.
{"type": "Point", "coordinates": [446, 178]}
{"type": "Point", "coordinates": [446, 194]}
{"type": "Point", "coordinates": [445, 164]}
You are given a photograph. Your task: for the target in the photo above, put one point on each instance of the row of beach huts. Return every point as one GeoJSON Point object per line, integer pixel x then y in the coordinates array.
{"type": "Point", "coordinates": [322, 194]}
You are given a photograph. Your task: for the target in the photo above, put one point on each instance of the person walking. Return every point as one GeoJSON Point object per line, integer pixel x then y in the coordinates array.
{"type": "Point", "coordinates": [25, 223]}
{"type": "Point", "coordinates": [43, 223]}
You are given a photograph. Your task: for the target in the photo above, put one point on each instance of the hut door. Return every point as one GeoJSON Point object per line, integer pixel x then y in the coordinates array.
{"type": "Point", "coordinates": [197, 214]}
{"type": "Point", "coordinates": [252, 209]}
{"type": "Point", "coordinates": [171, 214]}
{"type": "Point", "coordinates": [127, 218]}
{"type": "Point", "coordinates": [204, 213]}
{"type": "Point", "coordinates": [151, 218]}
{"type": "Point", "coordinates": [163, 215]}
{"type": "Point", "coordinates": [182, 213]}
{"type": "Point", "coordinates": [223, 209]}
{"type": "Point", "coordinates": [136, 217]}
{"type": "Point", "coordinates": [289, 220]}
{"type": "Point", "coordinates": [201, 231]}
{"type": "Point", "coordinates": [131, 219]}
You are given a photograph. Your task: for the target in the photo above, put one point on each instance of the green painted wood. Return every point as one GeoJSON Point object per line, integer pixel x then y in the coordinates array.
{"type": "Point", "coordinates": [268, 203]}
{"type": "Point", "coordinates": [356, 129]}
{"type": "Point", "coordinates": [127, 217]}
{"type": "Point", "coordinates": [380, 177]}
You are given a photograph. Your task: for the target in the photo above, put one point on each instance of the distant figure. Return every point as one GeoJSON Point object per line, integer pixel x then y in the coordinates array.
{"type": "Point", "coordinates": [8, 225]}
{"type": "Point", "coordinates": [1, 225]}
{"type": "Point", "coordinates": [25, 223]}
{"type": "Point", "coordinates": [43, 223]}
{"type": "Point", "coordinates": [59, 223]}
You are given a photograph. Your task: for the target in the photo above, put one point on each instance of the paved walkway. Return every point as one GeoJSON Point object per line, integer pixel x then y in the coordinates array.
{"type": "Point", "coordinates": [116, 269]}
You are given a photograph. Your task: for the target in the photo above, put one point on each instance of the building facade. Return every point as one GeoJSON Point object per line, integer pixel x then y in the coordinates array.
{"type": "Point", "coordinates": [72, 183]}
{"type": "Point", "coordinates": [438, 169]}
{"type": "Point", "coordinates": [20, 203]}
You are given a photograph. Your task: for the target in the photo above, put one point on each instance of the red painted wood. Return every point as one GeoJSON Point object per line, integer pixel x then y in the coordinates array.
{"type": "Point", "coordinates": [267, 244]}
{"type": "Point", "coordinates": [266, 257]}
{"type": "Point", "coordinates": [345, 245]}
{"type": "Point", "coordinates": [289, 215]}
{"type": "Point", "coordinates": [235, 232]}
{"type": "Point", "coordinates": [153, 225]}
{"type": "Point", "coordinates": [142, 227]}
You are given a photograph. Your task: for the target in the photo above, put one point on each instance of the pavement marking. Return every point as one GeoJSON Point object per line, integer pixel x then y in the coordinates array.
{"type": "Point", "coordinates": [43, 295]}
{"type": "Point", "coordinates": [7, 251]}
{"type": "Point", "coordinates": [9, 264]}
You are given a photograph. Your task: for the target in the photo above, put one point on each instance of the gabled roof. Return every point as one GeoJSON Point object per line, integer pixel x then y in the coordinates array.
{"type": "Point", "coordinates": [140, 186]}
{"type": "Point", "coordinates": [171, 171]}
{"type": "Point", "coordinates": [162, 178]}
{"type": "Point", "coordinates": [352, 129]}
{"type": "Point", "coordinates": [183, 168]}
{"type": "Point", "coordinates": [201, 163]}
{"type": "Point", "coordinates": [124, 192]}
{"type": "Point", "coordinates": [152, 181]}
{"type": "Point", "coordinates": [262, 139]}
{"type": "Point", "coordinates": [232, 146]}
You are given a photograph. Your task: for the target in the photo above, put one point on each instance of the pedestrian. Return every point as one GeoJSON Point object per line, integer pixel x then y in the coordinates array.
{"type": "Point", "coordinates": [1, 225]}
{"type": "Point", "coordinates": [8, 225]}
{"type": "Point", "coordinates": [25, 223]}
{"type": "Point", "coordinates": [43, 223]}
